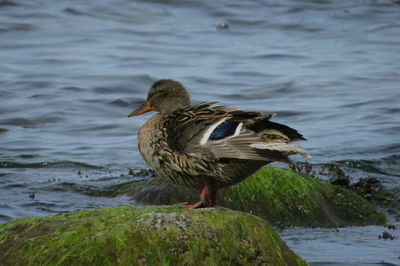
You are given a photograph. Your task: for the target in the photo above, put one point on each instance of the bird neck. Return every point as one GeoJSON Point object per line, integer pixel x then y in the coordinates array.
{"type": "Point", "coordinates": [179, 103]}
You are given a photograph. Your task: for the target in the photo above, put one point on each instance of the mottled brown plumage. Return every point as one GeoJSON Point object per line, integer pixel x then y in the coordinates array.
{"type": "Point", "coordinates": [205, 146]}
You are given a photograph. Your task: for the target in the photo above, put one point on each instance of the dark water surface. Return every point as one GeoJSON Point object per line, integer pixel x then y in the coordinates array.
{"type": "Point", "coordinates": [70, 71]}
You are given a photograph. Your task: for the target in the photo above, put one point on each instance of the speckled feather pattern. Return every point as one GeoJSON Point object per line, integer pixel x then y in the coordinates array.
{"type": "Point", "coordinates": [170, 144]}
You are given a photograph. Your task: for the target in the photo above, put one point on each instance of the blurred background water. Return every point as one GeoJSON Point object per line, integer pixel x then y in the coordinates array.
{"type": "Point", "coordinates": [70, 71]}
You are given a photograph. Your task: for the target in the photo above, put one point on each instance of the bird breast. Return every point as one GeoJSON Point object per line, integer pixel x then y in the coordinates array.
{"type": "Point", "coordinates": [148, 138]}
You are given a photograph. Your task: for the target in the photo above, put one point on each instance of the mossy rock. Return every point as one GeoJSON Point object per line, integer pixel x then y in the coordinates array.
{"type": "Point", "coordinates": [144, 235]}
{"type": "Point", "coordinates": [288, 198]}
{"type": "Point", "coordinates": [281, 196]}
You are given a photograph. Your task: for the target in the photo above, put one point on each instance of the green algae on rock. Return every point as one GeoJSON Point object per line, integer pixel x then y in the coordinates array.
{"type": "Point", "coordinates": [288, 198]}
{"type": "Point", "coordinates": [145, 235]}
{"type": "Point", "coordinates": [281, 196]}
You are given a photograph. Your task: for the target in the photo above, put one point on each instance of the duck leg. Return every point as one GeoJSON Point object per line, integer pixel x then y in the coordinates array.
{"type": "Point", "coordinates": [211, 198]}
{"type": "Point", "coordinates": [207, 198]}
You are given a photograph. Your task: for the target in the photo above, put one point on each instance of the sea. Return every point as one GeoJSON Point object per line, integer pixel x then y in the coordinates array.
{"type": "Point", "coordinates": [71, 71]}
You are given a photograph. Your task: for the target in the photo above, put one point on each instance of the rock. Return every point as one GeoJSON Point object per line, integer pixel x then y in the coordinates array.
{"type": "Point", "coordinates": [223, 26]}
{"type": "Point", "coordinates": [281, 196]}
{"type": "Point", "coordinates": [385, 235]}
{"type": "Point", "coordinates": [144, 235]}
{"type": "Point", "coordinates": [287, 198]}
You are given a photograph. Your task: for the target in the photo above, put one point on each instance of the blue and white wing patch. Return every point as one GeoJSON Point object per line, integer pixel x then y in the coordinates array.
{"type": "Point", "coordinates": [220, 130]}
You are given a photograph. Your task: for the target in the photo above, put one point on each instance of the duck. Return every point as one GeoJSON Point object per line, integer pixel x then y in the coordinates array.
{"type": "Point", "coordinates": [208, 146]}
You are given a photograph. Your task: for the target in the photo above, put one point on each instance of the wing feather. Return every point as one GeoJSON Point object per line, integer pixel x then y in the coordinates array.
{"type": "Point", "coordinates": [259, 139]}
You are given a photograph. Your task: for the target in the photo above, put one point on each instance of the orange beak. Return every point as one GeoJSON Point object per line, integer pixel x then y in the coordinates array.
{"type": "Point", "coordinates": [141, 110]}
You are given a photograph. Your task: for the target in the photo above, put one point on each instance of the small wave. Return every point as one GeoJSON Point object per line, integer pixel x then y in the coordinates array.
{"type": "Point", "coordinates": [281, 56]}
{"type": "Point", "coordinates": [12, 186]}
{"type": "Point", "coordinates": [246, 22]}
{"type": "Point", "coordinates": [73, 11]}
{"type": "Point", "coordinates": [247, 96]}
{"type": "Point", "coordinates": [28, 156]}
{"type": "Point", "coordinates": [116, 89]}
{"type": "Point", "coordinates": [288, 113]}
{"type": "Point", "coordinates": [18, 27]}
{"type": "Point", "coordinates": [5, 206]}
{"type": "Point", "coordinates": [389, 110]}
{"type": "Point", "coordinates": [72, 89]}
{"type": "Point", "coordinates": [88, 190]}
{"type": "Point", "coordinates": [5, 218]}
{"type": "Point", "coordinates": [5, 3]}
{"type": "Point", "coordinates": [380, 28]}
{"type": "Point", "coordinates": [18, 121]}
{"type": "Point", "coordinates": [264, 91]}
{"type": "Point", "coordinates": [39, 204]}
{"type": "Point", "coordinates": [60, 164]}
{"type": "Point", "coordinates": [120, 103]}
{"type": "Point", "coordinates": [362, 103]}
{"type": "Point", "coordinates": [387, 165]}
{"type": "Point", "coordinates": [30, 123]}
{"type": "Point", "coordinates": [296, 27]}
{"type": "Point", "coordinates": [43, 96]}
{"type": "Point", "coordinates": [253, 74]}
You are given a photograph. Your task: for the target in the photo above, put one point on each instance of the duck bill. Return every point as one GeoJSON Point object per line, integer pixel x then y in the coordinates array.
{"type": "Point", "coordinates": [141, 110]}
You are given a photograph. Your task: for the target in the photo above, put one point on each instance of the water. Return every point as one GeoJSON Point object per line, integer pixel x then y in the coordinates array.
{"type": "Point", "coordinates": [350, 246]}
{"type": "Point", "coordinates": [70, 72]}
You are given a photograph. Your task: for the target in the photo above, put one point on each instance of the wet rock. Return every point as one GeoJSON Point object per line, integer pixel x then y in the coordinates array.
{"type": "Point", "coordinates": [391, 226]}
{"type": "Point", "coordinates": [281, 196]}
{"type": "Point", "coordinates": [141, 172]}
{"type": "Point", "coordinates": [373, 190]}
{"type": "Point", "coordinates": [387, 236]}
{"type": "Point", "coordinates": [223, 26]}
{"type": "Point", "coordinates": [146, 235]}
{"type": "Point", "coordinates": [370, 188]}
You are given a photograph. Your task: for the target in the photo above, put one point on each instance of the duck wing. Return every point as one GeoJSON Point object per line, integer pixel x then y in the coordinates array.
{"type": "Point", "coordinates": [220, 132]}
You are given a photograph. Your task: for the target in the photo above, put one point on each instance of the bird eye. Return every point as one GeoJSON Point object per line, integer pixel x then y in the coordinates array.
{"type": "Point", "coordinates": [157, 92]}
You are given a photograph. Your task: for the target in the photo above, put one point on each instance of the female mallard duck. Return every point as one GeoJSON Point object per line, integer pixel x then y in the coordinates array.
{"type": "Point", "coordinates": [208, 147]}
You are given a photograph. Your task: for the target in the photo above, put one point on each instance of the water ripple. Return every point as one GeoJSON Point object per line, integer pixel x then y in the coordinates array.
{"type": "Point", "coordinates": [73, 11]}
{"type": "Point", "coordinates": [7, 3]}
{"type": "Point", "coordinates": [61, 164]}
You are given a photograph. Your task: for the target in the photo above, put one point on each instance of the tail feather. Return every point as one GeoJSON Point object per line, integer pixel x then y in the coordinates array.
{"type": "Point", "coordinates": [285, 148]}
